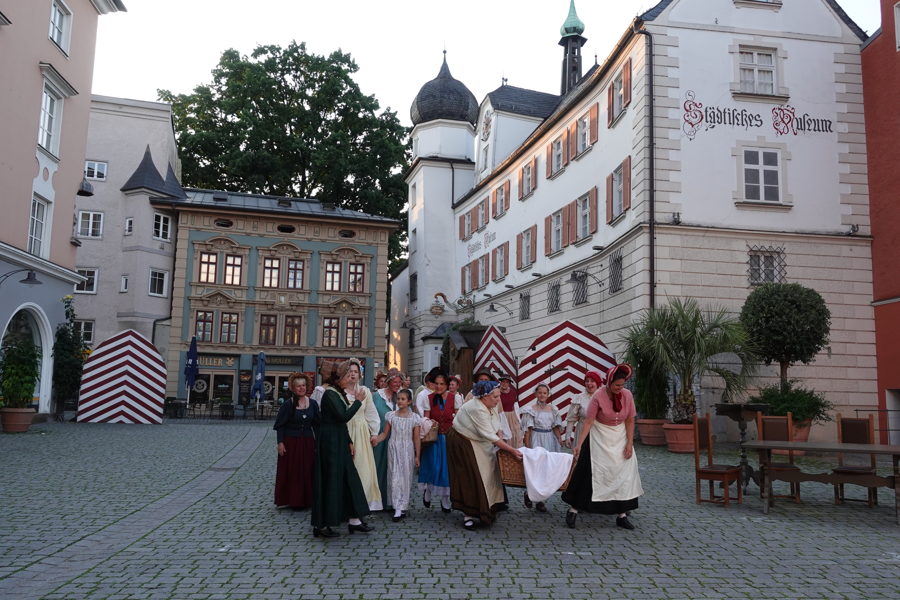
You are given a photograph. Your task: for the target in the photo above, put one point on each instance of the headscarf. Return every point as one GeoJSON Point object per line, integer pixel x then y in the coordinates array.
{"type": "Point", "coordinates": [617, 398]}
{"type": "Point", "coordinates": [596, 376]}
{"type": "Point", "coordinates": [483, 388]}
{"type": "Point", "coordinates": [386, 392]}
{"type": "Point", "coordinates": [331, 366]}
{"type": "Point", "coordinates": [393, 375]}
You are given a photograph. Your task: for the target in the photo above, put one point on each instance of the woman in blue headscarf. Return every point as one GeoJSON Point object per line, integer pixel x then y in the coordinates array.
{"type": "Point", "coordinates": [475, 485]}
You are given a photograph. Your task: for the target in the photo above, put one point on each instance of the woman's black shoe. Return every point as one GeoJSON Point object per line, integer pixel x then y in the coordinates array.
{"type": "Point", "coordinates": [469, 525]}
{"type": "Point", "coordinates": [404, 514]}
{"type": "Point", "coordinates": [328, 532]}
{"type": "Point", "coordinates": [528, 503]}
{"type": "Point", "coordinates": [396, 519]}
{"type": "Point", "coordinates": [624, 523]}
{"type": "Point", "coordinates": [540, 507]}
{"type": "Point", "coordinates": [427, 503]}
{"type": "Point", "coordinates": [362, 528]}
{"type": "Point", "coordinates": [570, 519]}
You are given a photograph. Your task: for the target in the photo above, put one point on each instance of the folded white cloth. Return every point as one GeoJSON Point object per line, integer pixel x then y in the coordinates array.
{"type": "Point", "coordinates": [545, 472]}
{"type": "Point", "coordinates": [424, 428]}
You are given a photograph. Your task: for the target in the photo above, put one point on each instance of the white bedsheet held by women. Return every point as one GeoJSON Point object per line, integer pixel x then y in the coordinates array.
{"type": "Point", "coordinates": [545, 472]}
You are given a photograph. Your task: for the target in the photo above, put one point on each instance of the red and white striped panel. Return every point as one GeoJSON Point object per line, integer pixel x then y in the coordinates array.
{"type": "Point", "coordinates": [495, 354]}
{"type": "Point", "coordinates": [124, 381]}
{"type": "Point", "coordinates": [559, 358]}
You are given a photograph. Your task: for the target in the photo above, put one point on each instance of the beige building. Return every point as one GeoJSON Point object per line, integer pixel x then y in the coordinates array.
{"type": "Point", "coordinates": [294, 278]}
{"type": "Point", "coordinates": [46, 71]}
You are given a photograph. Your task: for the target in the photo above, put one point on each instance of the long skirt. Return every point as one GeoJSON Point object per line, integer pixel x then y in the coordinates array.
{"type": "Point", "coordinates": [434, 474]}
{"type": "Point", "coordinates": [467, 491]}
{"type": "Point", "coordinates": [516, 440]}
{"type": "Point", "coordinates": [380, 453]}
{"type": "Point", "coordinates": [580, 492]}
{"type": "Point", "coordinates": [294, 473]}
{"type": "Point", "coordinates": [338, 494]}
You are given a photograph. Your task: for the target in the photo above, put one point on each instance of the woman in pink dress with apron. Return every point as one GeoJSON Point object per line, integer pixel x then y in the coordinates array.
{"type": "Point", "coordinates": [606, 480]}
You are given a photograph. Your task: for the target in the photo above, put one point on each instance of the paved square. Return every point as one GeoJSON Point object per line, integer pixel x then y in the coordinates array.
{"type": "Point", "coordinates": [185, 511]}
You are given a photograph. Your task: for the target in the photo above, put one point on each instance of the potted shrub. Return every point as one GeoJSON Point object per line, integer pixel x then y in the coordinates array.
{"type": "Point", "coordinates": [69, 353]}
{"type": "Point", "coordinates": [651, 391]}
{"type": "Point", "coordinates": [20, 367]}
{"type": "Point", "coordinates": [806, 407]}
{"type": "Point", "coordinates": [692, 342]}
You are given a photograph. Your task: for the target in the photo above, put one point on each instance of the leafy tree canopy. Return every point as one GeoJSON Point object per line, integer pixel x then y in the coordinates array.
{"type": "Point", "coordinates": [289, 123]}
{"type": "Point", "coordinates": [788, 323]}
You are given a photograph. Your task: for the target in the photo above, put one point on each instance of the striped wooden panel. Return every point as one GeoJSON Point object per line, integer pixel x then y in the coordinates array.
{"type": "Point", "coordinates": [560, 357]}
{"type": "Point", "coordinates": [124, 381]}
{"type": "Point", "coordinates": [494, 353]}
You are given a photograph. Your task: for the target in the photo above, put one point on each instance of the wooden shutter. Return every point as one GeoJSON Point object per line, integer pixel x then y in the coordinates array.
{"type": "Point", "coordinates": [462, 285]}
{"type": "Point", "coordinates": [565, 226]}
{"type": "Point", "coordinates": [609, 198]}
{"type": "Point", "coordinates": [626, 183]}
{"type": "Point", "coordinates": [473, 218]}
{"type": "Point", "coordinates": [494, 263]}
{"type": "Point", "coordinates": [521, 182]}
{"type": "Point", "coordinates": [609, 104]}
{"type": "Point", "coordinates": [473, 271]}
{"type": "Point", "coordinates": [549, 161]}
{"type": "Point", "coordinates": [462, 226]}
{"type": "Point", "coordinates": [506, 194]}
{"type": "Point", "coordinates": [574, 230]}
{"type": "Point", "coordinates": [487, 266]}
{"type": "Point", "coordinates": [595, 114]}
{"type": "Point", "coordinates": [533, 242]}
{"type": "Point", "coordinates": [487, 212]}
{"type": "Point", "coordinates": [626, 83]}
{"type": "Point", "coordinates": [494, 204]}
{"type": "Point", "coordinates": [534, 172]}
{"type": "Point", "coordinates": [573, 140]}
{"type": "Point", "coordinates": [548, 223]}
{"type": "Point", "coordinates": [506, 256]}
{"type": "Point", "coordinates": [564, 142]}
{"type": "Point", "coordinates": [594, 207]}
{"type": "Point", "coordinates": [518, 251]}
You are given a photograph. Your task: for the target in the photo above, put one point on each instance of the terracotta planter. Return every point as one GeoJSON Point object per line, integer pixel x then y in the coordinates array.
{"type": "Point", "coordinates": [16, 420]}
{"type": "Point", "coordinates": [680, 438]}
{"type": "Point", "coordinates": [651, 431]}
{"type": "Point", "coordinates": [801, 434]}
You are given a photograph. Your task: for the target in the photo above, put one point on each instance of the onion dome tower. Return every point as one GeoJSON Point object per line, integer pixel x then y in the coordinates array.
{"type": "Point", "coordinates": [572, 42]}
{"type": "Point", "coordinates": [444, 98]}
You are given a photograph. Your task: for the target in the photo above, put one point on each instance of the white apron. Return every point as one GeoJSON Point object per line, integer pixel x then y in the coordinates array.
{"type": "Point", "coordinates": [612, 476]}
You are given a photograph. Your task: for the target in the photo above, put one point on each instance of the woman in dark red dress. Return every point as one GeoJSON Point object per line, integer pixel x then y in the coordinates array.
{"type": "Point", "coordinates": [297, 425]}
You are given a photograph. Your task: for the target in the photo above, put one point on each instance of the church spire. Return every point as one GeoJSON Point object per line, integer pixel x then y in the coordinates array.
{"type": "Point", "coordinates": [572, 42]}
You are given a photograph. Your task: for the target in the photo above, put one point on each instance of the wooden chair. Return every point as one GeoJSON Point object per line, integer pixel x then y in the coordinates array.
{"type": "Point", "coordinates": [855, 431]}
{"type": "Point", "coordinates": [713, 472]}
{"type": "Point", "coordinates": [779, 429]}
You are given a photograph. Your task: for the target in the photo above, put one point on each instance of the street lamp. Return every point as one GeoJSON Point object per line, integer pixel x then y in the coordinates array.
{"type": "Point", "coordinates": [30, 280]}
{"type": "Point", "coordinates": [575, 277]}
{"type": "Point", "coordinates": [492, 310]}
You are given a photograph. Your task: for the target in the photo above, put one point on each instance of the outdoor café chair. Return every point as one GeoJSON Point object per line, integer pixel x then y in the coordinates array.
{"type": "Point", "coordinates": [712, 472]}
{"type": "Point", "coordinates": [855, 431]}
{"type": "Point", "coordinates": [779, 429]}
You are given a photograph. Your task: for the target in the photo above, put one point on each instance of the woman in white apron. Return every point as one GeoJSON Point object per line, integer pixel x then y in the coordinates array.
{"type": "Point", "coordinates": [606, 480]}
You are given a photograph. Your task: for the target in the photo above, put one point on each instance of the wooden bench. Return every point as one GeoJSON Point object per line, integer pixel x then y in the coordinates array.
{"type": "Point", "coordinates": [768, 475]}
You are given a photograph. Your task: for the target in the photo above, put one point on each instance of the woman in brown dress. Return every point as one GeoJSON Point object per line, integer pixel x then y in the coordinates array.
{"type": "Point", "coordinates": [297, 426]}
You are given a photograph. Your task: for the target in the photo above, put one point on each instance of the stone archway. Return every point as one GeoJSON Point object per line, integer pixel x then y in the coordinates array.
{"type": "Point", "coordinates": [29, 318]}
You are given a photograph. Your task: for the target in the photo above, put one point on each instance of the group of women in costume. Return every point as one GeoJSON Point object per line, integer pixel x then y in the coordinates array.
{"type": "Point", "coordinates": [357, 452]}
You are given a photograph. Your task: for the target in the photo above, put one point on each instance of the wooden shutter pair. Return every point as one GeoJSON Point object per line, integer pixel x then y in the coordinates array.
{"type": "Point", "coordinates": [626, 92]}
{"type": "Point", "coordinates": [626, 189]}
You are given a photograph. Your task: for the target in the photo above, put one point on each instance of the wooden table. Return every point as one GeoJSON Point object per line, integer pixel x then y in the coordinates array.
{"type": "Point", "coordinates": [767, 476]}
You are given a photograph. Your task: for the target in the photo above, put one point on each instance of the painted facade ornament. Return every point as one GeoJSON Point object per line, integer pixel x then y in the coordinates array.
{"type": "Point", "coordinates": [693, 115]}
{"type": "Point", "coordinates": [486, 126]}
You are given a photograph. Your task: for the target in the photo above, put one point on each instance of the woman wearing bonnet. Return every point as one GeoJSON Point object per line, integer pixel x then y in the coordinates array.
{"type": "Point", "coordinates": [364, 428]}
{"type": "Point", "coordinates": [337, 491]}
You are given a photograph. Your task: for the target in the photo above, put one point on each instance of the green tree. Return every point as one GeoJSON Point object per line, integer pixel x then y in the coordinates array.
{"type": "Point", "coordinates": [692, 342]}
{"type": "Point", "coordinates": [69, 353]}
{"type": "Point", "coordinates": [787, 322]}
{"type": "Point", "coordinates": [289, 123]}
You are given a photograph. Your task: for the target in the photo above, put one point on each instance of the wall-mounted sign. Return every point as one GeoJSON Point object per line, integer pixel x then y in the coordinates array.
{"type": "Point", "coordinates": [784, 119]}
{"type": "Point", "coordinates": [222, 362]}
{"type": "Point", "coordinates": [281, 361]}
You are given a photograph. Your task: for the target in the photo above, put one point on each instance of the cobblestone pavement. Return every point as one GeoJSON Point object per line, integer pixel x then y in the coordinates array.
{"type": "Point", "coordinates": [185, 511]}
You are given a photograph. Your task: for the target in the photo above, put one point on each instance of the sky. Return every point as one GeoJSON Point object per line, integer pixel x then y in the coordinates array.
{"type": "Point", "coordinates": [397, 44]}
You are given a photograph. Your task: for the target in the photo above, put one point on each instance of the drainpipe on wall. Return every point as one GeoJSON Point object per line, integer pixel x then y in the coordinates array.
{"type": "Point", "coordinates": [652, 169]}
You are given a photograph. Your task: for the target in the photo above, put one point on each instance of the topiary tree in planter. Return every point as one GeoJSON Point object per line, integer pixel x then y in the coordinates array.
{"type": "Point", "coordinates": [20, 367]}
{"type": "Point", "coordinates": [69, 353]}
{"type": "Point", "coordinates": [787, 322]}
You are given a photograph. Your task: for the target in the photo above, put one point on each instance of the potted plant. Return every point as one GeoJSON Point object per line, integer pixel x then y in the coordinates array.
{"type": "Point", "coordinates": [806, 407]}
{"type": "Point", "coordinates": [69, 353]}
{"type": "Point", "coordinates": [651, 390]}
{"type": "Point", "coordinates": [692, 342]}
{"type": "Point", "coordinates": [20, 366]}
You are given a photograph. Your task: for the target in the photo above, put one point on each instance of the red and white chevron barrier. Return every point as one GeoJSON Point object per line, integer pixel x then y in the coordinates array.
{"type": "Point", "coordinates": [124, 381]}
{"type": "Point", "coordinates": [495, 354]}
{"type": "Point", "coordinates": [559, 358]}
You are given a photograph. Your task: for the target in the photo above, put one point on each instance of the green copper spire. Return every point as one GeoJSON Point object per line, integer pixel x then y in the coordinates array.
{"type": "Point", "coordinates": [573, 25]}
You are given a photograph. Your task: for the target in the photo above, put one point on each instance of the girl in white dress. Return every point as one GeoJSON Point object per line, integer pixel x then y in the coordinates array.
{"type": "Point", "coordinates": [403, 450]}
{"type": "Point", "coordinates": [542, 427]}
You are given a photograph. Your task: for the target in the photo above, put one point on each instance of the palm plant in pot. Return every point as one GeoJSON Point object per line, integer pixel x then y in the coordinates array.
{"type": "Point", "coordinates": [691, 342]}
{"type": "Point", "coordinates": [20, 367]}
{"type": "Point", "coordinates": [651, 389]}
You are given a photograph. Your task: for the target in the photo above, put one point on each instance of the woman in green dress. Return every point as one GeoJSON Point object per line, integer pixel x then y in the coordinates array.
{"type": "Point", "coordinates": [337, 491]}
